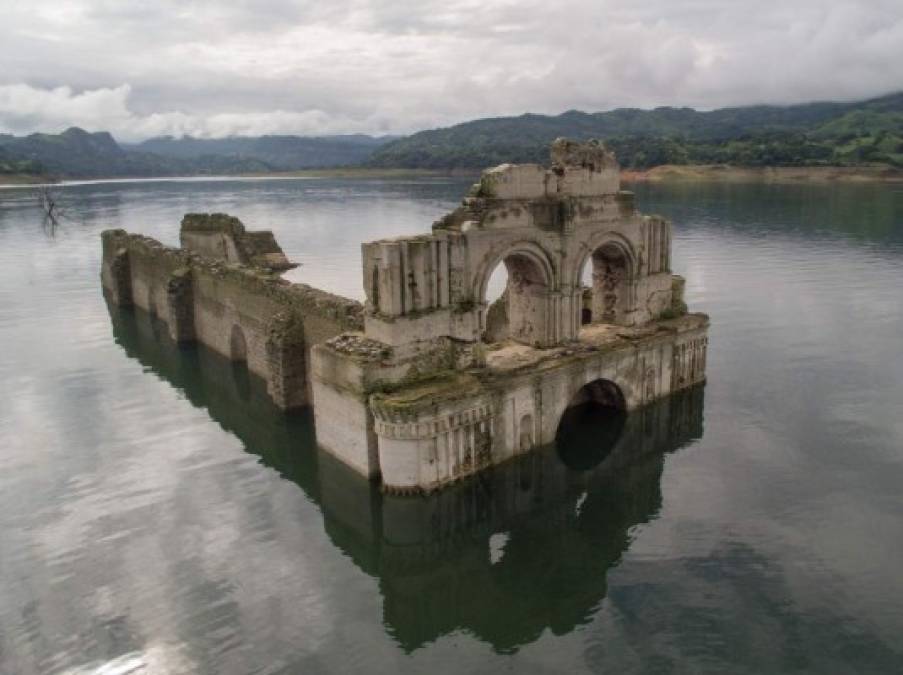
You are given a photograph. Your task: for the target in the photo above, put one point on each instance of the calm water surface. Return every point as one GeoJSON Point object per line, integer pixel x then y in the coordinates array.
{"type": "Point", "coordinates": [157, 515]}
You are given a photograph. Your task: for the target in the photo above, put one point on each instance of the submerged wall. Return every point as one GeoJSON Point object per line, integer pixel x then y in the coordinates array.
{"type": "Point", "coordinates": [427, 383]}
{"type": "Point", "coordinates": [245, 312]}
{"type": "Point", "coordinates": [435, 433]}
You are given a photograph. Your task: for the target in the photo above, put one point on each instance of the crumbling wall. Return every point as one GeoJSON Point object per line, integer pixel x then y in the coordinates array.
{"type": "Point", "coordinates": [221, 305]}
{"type": "Point", "coordinates": [426, 287]}
{"type": "Point", "coordinates": [219, 236]}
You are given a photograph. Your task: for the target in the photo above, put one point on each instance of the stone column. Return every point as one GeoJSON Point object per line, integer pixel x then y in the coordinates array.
{"type": "Point", "coordinates": [287, 359]}
{"type": "Point", "coordinates": [116, 271]}
{"type": "Point", "coordinates": [180, 305]}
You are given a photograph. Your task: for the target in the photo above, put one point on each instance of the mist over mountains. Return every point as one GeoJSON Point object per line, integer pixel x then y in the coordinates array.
{"type": "Point", "coordinates": [813, 134]}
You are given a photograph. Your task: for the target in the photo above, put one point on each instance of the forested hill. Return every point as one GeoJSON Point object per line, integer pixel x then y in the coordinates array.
{"type": "Point", "coordinates": [814, 134]}
{"type": "Point", "coordinates": [811, 134]}
{"type": "Point", "coordinates": [284, 153]}
{"type": "Point", "coordinates": [78, 153]}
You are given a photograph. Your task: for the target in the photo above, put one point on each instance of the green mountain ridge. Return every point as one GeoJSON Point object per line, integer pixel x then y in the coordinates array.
{"type": "Point", "coordinates": [282, 153]}
{"type": "Point", "coordinates": [79, 154]}
{"type": "Point", "coordinates": [811, 134]}
{"type": "Point", "coordinates": [819, 133]}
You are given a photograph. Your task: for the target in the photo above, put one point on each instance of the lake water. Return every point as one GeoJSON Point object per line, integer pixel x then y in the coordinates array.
{"type": "Point", "coordinates": [157, 515]}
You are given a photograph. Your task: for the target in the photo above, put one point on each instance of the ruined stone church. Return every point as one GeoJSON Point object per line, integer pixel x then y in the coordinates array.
{"type": "Point", "coordinates": [427, 382]}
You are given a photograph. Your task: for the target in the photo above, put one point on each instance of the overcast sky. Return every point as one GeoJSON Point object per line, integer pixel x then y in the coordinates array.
{"type": "Point", "coordinates": [216, 68]}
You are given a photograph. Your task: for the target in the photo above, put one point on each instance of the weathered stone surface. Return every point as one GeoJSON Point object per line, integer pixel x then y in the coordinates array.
{"type": "Point", "coordinates": [544, 225]}
{"type": "Point", "coordinates": [219, 236]}
{"type": "Point", "coordinates": [427, 383]}
{"type": "Point", "coordinates": [591, 155]}
{"type": "Point", "coordinates": [515, 181]}
{"type": "Point", "coordinates": [435, 417]}
{"type": "Point", "coordinates": [245, 312]}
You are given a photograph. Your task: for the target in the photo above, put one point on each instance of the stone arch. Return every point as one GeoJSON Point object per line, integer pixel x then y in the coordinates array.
{"type": "Point", "coordinates": [592, 244]}
{"type": "Point", "coordinates": [528, 251]}
{"type": "Point", "coordinates": [602, 392]}
{"type": "Point", "coordinates": [531, 280]}
{"type": "Point", "coordinates": [238, 345]}
{"type": "Point", "coordinates": [614, 279]}
{"type": "Point", "coordinates": [591, 425]}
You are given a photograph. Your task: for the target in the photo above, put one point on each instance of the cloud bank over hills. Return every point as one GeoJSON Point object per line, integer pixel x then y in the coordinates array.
{"type": "Point", "coordinates": [212, 69]}
{"type": "Point", "coordinates": [25, 109]}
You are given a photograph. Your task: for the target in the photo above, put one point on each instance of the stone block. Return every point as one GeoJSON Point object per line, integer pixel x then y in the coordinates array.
{"type": "Point", "coordinates": [514, 181]}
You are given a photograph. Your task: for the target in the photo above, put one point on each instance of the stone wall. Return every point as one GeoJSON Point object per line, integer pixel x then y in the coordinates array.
{"type": "Point", "coordinates": [545, 225]}
{"type": "Point", "coordinates": [244, 312]}
{"type": "Point", "coordinates": [440, 385]}
{"type": "Point", "coordinates": [438, 432]}
{"type": "Point", "coordinates": [421, 422]}
{"type": "Point", "coordinates": [218, 236]}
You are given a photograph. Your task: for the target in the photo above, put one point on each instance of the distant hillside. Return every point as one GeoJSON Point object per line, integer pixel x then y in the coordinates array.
{"type": "Point", "coordinates": [813, 134]}
{"type": "Point", "coordinates": [810, 134]}
{"type": "Point", "coordinates": [77, 153]}
{"type": "Point", "coordinates": [284, 153]}
{"type": "Point", "coordinates": [11, 164]}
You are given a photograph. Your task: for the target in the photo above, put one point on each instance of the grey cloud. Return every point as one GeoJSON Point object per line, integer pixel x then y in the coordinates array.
{"type": "Point", "coordinates": [355, 65]}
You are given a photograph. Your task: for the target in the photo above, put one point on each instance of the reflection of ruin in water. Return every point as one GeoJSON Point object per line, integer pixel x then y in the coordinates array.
{"type": "Point", "coordinates": [504, 555]}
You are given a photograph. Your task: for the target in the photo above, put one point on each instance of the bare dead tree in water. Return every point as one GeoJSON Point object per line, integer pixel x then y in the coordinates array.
{"type": "Point", "coordinates": [52, 212]}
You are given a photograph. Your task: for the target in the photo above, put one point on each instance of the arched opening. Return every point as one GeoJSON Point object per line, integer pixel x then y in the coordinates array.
{"type": "Point", "coordinates": [591, 425]}
{"type": "Point", "coordinates": [515, 296]}
{"type": "Point", "coordinates": [238, 347]}
{"type": "Point", "coordinates": [496, 323]}
{"type": "Point", "coordinates": [606, 280]}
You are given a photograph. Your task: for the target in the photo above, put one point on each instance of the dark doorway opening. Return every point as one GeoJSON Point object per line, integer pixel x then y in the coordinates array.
{"type": "Point", "coordinates": [591, 425]}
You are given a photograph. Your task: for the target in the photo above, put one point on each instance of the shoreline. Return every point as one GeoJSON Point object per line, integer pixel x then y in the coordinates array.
{"type": "Point", "coordinates": [362, 172]}
{"type": "Point", "coordinates": [715, 173]}
{"type": "Point", "coordinates": [712, 173]}
{"type": "Point", "coordinates": [25, 180]}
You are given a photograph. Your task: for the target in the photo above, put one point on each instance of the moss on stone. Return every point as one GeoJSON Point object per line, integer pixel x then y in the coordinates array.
{"type": "Point", "coordinates": [440, 387]}
{"type": "Point", "coordinates": [212, 222]}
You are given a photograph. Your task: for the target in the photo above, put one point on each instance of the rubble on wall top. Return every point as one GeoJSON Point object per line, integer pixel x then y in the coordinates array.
{"type": "Point", "coordinates": [578, 169]}
{"type": "Point", "coordinates": [360, 346]}
{"type": "Point", "coordinates": [212, 222]}
{"type": "Point", "coordinates": [257, 247]}
{"type": "Point", "coordinates": [592, 155]}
